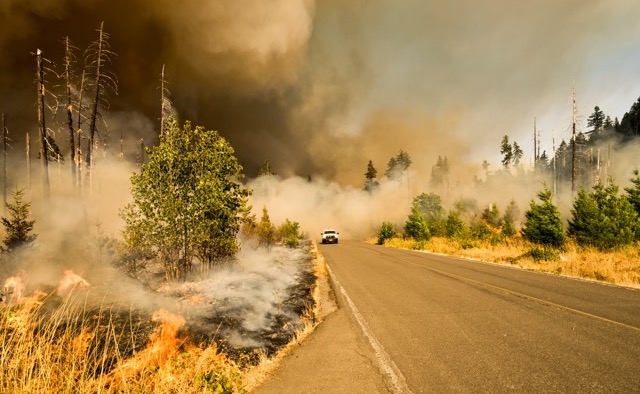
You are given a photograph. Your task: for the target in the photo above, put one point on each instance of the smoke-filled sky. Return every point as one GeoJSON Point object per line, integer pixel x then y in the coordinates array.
{"type": "Point", "coordinates": [319, 88]}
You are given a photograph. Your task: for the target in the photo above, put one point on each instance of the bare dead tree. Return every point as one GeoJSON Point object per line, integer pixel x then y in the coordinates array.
{"type": "Point", "coordinates": [69, 59]}
{"type": "Point", "coordinates": [78, 161]}
{"type": "Point", "coordinates": [98, 56]}
{"type": "Point", "coordinates": [41, 123]}
{"type": "Point", "coordinates": [165, 101]}
{"type": "Point", "coordinates": [28, 146]}
{"type": "Point", "coordinates": [5, 141]}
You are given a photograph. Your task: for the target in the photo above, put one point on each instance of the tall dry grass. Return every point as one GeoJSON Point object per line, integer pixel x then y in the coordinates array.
{"type": "Point", "coordinates": [69, 349]}
{"type": "Point", "coordinates": [620, 267]}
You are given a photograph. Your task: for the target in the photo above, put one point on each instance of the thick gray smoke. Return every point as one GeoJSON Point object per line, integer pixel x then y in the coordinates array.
{"type": "Point", "coordinates": [320, 88]}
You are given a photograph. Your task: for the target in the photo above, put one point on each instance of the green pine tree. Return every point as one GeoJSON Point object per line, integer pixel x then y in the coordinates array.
{"type": "Point", "coordinates": [18, 228]}
{"type": "Point", "coordinates": [603, 218]}
{"type": "Point", "coordinates": [543, 224]}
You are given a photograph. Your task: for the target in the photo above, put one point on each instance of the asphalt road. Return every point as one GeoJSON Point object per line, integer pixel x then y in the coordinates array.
{"type": "Point", "coordinates": [440, 324]}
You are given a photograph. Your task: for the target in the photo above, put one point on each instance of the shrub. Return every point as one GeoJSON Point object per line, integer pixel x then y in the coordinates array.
{"type": "Point", "coordinates": [603, 218]}
{"type": "Point", "coordinates": [454, 226]}
{"type": "Point", "coordinates": [289, 233]}
{"type": "Point", "coordinates": [387, 231]}
{"type": "Point", "coordinates": [543, 224]}
{"type": "Point", "coordinates": [416, 226]}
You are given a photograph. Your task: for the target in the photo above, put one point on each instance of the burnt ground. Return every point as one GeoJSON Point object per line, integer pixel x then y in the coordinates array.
{"type": "Point", "coordinates": [226, 313]}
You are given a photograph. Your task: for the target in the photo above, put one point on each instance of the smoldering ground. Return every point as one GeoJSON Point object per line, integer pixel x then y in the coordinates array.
{"type": "Point", "coordinates": [254, 301]}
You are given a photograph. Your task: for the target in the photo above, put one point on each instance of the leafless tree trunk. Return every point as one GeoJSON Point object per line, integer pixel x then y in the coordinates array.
{"type": "Point", "coordinates": [41, 123]}
{"type": "Point", "coordinates": [78, 161]}
{"type": "Point", "coordinates": [4, 162]}
{"type": "Point", "coordinates": [68, 58]}
{"type": "Point", "coordinates": [99, 55]}
{"type": "Point", "coordinates": [28, 146]}
{"type": "Point", "coordinates": [165, 105]}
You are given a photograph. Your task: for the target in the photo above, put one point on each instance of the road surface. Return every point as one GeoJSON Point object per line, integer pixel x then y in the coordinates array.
{"type": "Point", "coordinates": [440, 324]}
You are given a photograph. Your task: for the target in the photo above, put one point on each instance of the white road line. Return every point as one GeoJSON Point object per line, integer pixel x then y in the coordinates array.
{"type": "Point", "coordinates": [387, 365]}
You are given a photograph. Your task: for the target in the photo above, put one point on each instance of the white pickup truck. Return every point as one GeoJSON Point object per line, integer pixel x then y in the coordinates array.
{"type": "Point", "coordinates": [329, 236]}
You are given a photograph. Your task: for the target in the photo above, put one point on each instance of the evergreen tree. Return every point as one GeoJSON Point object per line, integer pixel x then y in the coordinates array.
{"type": "Point", "coordinates": [633, 195]}
{"type": "Point", "coordinates": [629, 126]}
{"type": "Point", "coordinates": [509, 219]}
{"type": "Point", "coordinates": [416, 226]}
{"type": "Point", "coordinates": [398, 165]}
{"type": "Point", "coordinates": [18, 228]}
{"type": "Point", "coordinates": [517, 153]}
{"type": "Point", "coordinates": [596, 121]}
{"type": "Point", "coordinates": [266, 169]}
{"type": "Point", "coordinates": [440, 171]}
{"type": "Point", "coordinates": [370, 181]}
{"type": "Point", "coordinates": [188, 201]}
{"type": "Point", "coordinates": [455, 227]}
{"type": "Point", "coordinates": [266, 230]}
{"type": "Point", "coordinates": [393, 171]}
{"type": "Point", "coordinates": [507, 152]}
{"type": "Point", "coordinates": [603, 218]}
{"type": "Point", "coordinates": [491, 215]}
{"type": "Point", "coordinates": [543, 224]}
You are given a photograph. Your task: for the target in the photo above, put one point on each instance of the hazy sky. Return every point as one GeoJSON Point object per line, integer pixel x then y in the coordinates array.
{"type": "Point", "coordinates": [319, 88]}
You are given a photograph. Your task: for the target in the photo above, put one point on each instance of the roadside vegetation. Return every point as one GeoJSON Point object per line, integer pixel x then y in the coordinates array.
{"type": "Point", "coordinates": [600, 240]}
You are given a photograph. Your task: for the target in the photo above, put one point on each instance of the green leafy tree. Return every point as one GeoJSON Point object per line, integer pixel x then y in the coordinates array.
{"type": "Point", "coordinates": [370, 182]}
{"type": "Point", "coordinates": [188, 201]}
{"type": "Point", "coordinates": [17, 226]}
{"type": "Point", "coordinates": [543, 224]}
{"type": "Point", "coordinates": [603, 218]}
{"type": "Point", "coordinates": [430, 206]}
{"type": "Point", "coordinates": [416, 226]}
{"type": "Point", "coordinates": [506, 150]}
{"type": "Point", "coordinates": [387, 231]}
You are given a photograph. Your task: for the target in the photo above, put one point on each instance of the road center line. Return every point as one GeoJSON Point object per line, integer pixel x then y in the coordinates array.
{"type": "Point", "coordinates": [387, 365]}
{"type": "Point", "coordinates": [525, 296]}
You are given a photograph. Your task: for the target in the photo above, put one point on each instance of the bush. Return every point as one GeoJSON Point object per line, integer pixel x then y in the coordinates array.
{"type": "Point", "coordinates": [454, 226]}
{"type": "Point", "coordinates": [387, 231]}
{"type": "Point", "coordinates": [543, 254]}
{"type": "Point", "coordinates": [416, 226]}
{"type": "Point", "coordinates": [543, 224]}
{"type": "Point", "coordinates": [289, 233]}
{"type": "Point", "coordinates": [603, 218]}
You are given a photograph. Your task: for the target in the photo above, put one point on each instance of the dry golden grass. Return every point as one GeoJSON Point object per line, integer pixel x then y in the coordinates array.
{"type": "Point", "coordinates": [48, 353]}
{"type": "Point", "coordinates": [620, 267]}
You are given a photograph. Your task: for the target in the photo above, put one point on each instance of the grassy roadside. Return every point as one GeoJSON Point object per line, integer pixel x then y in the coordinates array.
{"type": "Point", "coordinates": [49, 344]}
{"type": "Point", "coordinates": [621, 267]}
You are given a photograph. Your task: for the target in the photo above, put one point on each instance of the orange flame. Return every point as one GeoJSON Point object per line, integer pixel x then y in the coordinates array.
{"type": "Point", "coordinates": [163, 344]}
{"type": "Point", "coordinates": [71, 280]}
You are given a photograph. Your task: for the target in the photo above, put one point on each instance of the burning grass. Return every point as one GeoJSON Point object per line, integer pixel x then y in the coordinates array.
{"type": "Point", "coordinates": [60, 339]}
{"type": "Point", "coordinates": [621, 267]}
